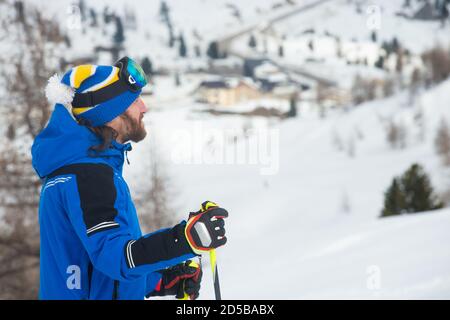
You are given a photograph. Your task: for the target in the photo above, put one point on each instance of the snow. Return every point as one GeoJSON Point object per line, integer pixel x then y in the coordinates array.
{"type": "Point", "coordinates": [151, 37]}
{"type": "Point", "coordinates": [335, 17]}
{"type": "Point", "coordinates": [312, 39]}
{"type": "Point", "coordinates": [304, 216]}
{"type": "Point", "coordinates": [408, 255]}
{"type": "Point", "coordinates": [289, 235]}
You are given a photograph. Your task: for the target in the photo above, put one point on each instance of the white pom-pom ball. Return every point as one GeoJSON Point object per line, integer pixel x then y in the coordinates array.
{"type": "Point", "coordinates": [57, 92]}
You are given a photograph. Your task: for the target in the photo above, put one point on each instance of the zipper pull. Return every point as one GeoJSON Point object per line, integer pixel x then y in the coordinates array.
{"type": "Point", "coordinates": [126, 157]}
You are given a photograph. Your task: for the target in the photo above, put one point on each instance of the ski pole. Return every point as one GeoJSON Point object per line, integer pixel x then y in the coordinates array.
{"type": "Point", "coordinates": [213, 260]}
{"type": "Point", "coordinates": [212, 255]}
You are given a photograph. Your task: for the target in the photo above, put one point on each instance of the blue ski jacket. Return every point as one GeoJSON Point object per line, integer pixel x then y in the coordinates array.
{"type": "Point", "coordinates": [91, 242]}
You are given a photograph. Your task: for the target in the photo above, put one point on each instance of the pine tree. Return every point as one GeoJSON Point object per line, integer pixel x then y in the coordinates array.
{"type": "Point", "coordinates": [82, 7]}
{"type": "Point", "coordinates": [119, 36]}
{"type": "Point", "coordinates": [107, 15]}
{"type": "Point", "coordinates": [410, 193]}
{"type": "Point", "coordinates": [164, 12]}
{"type": "Point", "coordinates": [252, 42]}
{"type": "Point", "coordinates": [182, 49]}
{"type": "Point", "coordinates": [395, 45]}
{"type": "Point", "coordinates": [292, 107]}
{"type": "Point", "coordinates": [93, 15]}
{"type": "Point", "coordinates": [177, 79]}
{"type": "Point", "coordinates": [67, 41]}
{"type": "Point", "coordinates": [213, 50]}
{"type": "Point", "coordinates": [281, 51]}
{"type": "Point", "coordinates": [311, 45]}
{"type": "Point", "coordinates": [394, 200]}
{"type": "Point", "coordinates": [418, 191]}
{"type": "Point", "coordinates": [374, 36]}
{"type": "Point", "coordinates": [147, 66]}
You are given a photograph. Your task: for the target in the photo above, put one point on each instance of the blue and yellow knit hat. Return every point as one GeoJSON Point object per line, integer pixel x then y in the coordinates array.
{"type": "Point", "coordinates": [95, 93]}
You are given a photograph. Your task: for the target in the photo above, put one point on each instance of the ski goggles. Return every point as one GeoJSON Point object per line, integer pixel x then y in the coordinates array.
{"type": "Point", "coordinates": [131, 73]}
{"type": "Point", "coordinates": [131, 78]}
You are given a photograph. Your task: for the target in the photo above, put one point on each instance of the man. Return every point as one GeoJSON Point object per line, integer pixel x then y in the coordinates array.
{"type": "Point", "coordinates": [91, 242]}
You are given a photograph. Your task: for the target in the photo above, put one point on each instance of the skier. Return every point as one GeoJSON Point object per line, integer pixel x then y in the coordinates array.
{"type": "Point", "coordinates": [91, 242]}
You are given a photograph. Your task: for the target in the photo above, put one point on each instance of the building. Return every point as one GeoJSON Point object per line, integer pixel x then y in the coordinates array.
{"type": "Point", "coordinates": [226, 92]}
{"type": "Point", "coordinates": [250, 65]}
{"type": "Point", "coordinates": [274, 83]}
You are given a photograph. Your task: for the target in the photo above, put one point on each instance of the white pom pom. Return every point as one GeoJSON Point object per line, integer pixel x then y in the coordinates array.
{"type": "Point", "coordinates": [57, 92]}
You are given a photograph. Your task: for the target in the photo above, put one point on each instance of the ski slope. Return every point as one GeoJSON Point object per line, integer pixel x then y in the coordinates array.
{"type": "Point", "coordinates": [396, 258]}
{"type": "Point", "coordinates": [312, 229]}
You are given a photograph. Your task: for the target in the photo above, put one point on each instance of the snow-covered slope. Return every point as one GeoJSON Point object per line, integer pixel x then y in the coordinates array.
{"type": "Point", "coordinates": [341, 18]}
{"type": "Point", "coordinates": [200, 21]}
{"type": "Point", "coordinates": [395, 258]}
{"type": "Point", "coordinates": [312, 229]}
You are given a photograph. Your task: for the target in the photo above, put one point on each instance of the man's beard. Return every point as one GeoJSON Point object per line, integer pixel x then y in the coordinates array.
{"type": "Point", "coordinates": [135, 130]}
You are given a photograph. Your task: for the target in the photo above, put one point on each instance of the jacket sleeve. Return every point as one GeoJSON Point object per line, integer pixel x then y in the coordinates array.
{"type": "Point", "coordinates": [96, 209]}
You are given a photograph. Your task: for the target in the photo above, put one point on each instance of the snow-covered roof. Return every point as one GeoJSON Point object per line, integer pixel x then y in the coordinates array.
{"type": "Point", "coordinates": [265, 68]}
{"type": "Point", "coordinates": [277, 77]}
{"type": "Point", "coordinates": [229, 82]}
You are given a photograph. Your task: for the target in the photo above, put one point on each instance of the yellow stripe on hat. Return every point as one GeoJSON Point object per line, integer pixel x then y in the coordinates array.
{"type": "Point", "coordinates": [113, 77]}
{"type": "Point", "coordinates": [80, 74]}
{"type": "Point", "coordinates": [78, 111]}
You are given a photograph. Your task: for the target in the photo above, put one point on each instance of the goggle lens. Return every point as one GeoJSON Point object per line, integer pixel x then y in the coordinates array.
{"type": "Point", "coordinates": [137, 73]}
{"type": "Point", "coordinates": [132, 73]}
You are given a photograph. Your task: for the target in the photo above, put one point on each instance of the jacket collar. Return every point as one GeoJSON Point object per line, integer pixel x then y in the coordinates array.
{"type": "Point", "coordinates": [116, 154]}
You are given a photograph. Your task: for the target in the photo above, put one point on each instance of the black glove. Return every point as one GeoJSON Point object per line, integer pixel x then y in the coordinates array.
{"type": "Point", "coordinates": [205, 229]}
{"type": "Point", "coordinates": [182, 281]}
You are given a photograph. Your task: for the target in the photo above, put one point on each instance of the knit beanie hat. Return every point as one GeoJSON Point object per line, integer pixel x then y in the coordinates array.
{"type": "Point", "coordinates": [85, 81]}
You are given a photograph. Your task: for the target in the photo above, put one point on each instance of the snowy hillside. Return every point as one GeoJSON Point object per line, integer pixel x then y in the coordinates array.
{"type": "Point", "coordinates": [326, 39]}
{"type": "Point", "coordinates": [396, 258]}
{"type": "Point", "coordinates": [315, 223]}
{"type": "Point", "coordinates": [200, 21]}
{"type": "Point", "coordinates": [304, 193]}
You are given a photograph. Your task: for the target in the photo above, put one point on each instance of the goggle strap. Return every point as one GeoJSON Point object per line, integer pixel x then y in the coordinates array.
{"type": "Point", "coordinates": [89, 99]}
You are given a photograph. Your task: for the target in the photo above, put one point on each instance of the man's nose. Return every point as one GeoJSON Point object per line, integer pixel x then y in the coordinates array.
{"type": "Point", "coordinates": [142, 106]}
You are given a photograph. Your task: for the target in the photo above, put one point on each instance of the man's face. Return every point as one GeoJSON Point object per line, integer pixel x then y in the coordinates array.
{"type": "Point", "coordinates": [133, 126]}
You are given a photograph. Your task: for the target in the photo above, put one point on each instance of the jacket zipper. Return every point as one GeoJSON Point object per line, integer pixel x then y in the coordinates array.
{"type": "Point", "coordinates": [115, 295]}
{"type": "Point", "coordinates": [90, 267]}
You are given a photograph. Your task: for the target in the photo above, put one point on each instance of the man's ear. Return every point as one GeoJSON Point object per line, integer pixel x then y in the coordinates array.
{"type": "Point", "coordinates": [115, 123]}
